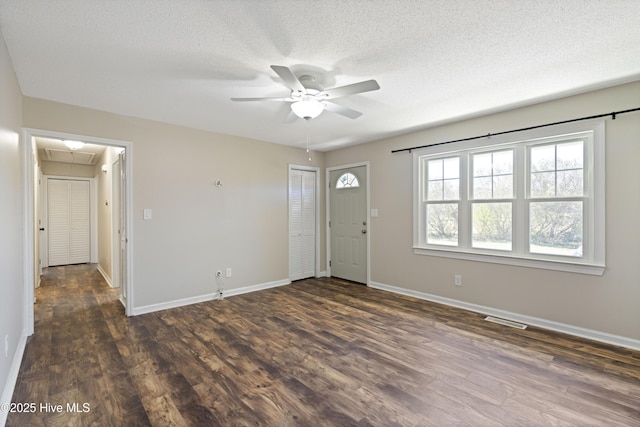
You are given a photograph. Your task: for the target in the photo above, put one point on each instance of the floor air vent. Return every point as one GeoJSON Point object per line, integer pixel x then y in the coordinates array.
{"type": "Point", "coordinates": [505, 322]}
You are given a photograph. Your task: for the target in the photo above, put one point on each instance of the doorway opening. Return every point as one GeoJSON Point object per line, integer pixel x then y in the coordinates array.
{"type": "Point", "coordinates": [104, 165]}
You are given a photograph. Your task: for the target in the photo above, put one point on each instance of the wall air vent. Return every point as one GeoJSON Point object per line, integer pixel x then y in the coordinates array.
{"type": "Point", "coordinates": [505, 322]}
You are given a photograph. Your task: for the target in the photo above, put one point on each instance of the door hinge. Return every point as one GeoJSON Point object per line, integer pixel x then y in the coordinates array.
{"type": "Point", "coordinates": [329, 223]}
{"type": "Point", "coordinates": [329, 263]}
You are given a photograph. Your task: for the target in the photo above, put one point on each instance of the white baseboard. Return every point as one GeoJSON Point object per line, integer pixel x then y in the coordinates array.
{"type": "Point", "coordinates": [207, 297]}
{"type": "Point", "coordinates": [174, 304]}
{"type": "Point", "coordinates": [254, 288]}
{"type": "Point", "coordinates": [12, 377]}
{"type": "Point", "coordinates": [521, 318]}
{"type": "Point", "coordinates": [105, 275]}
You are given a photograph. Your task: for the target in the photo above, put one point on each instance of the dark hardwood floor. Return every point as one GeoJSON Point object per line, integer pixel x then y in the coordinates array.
{"type": "Point", "coordinates": [319, 352]}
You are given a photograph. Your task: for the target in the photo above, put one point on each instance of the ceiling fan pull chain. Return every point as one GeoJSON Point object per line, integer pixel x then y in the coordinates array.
{"type": "Point", "coordinates": [308, 130]}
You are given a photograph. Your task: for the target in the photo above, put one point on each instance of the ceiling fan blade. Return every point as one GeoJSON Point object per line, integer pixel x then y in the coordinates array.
{"type": "Point", "coordinates": [351, 89]}
{"type": "Point", "coordinates": [263, 99]}
{"type": "Point", "coordinates": [342, 110]}
{"type": "Point", "coordinates": [291, 117]}
{"type": "Point", "coordinates": [288, 77]}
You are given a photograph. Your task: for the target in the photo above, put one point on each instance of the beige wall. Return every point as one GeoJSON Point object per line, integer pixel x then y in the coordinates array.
{"type": "Point", "coordinates": [610, 303]}
{"type": "Point", "coordinates": [11, 220]}
{"type": "Point", "coordinates": [196, 228]}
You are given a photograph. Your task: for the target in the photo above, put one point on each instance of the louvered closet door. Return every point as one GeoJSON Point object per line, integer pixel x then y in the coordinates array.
{"type": "Point", "coordinates": [302, 224]}
{"type": "Point", "coordinates": [69, 222]}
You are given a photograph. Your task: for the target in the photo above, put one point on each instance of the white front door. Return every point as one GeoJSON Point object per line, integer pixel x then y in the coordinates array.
{"type": "Point", "coordinates": [348, 223]}
{"type": "Point", "coordinates": [302, 223]}
{"type": "Point", "coordinates": [69, 221]}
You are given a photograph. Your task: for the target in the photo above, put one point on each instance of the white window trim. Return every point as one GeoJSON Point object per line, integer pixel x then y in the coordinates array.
{"type": "Point", "coordinates": [595, 235]}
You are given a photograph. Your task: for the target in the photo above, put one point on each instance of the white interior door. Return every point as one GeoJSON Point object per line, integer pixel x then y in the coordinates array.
{"type": "Point", "coordinates": [302, 224]}
{"type": "Point", "coordinates": [348, 223]}
{"type": "Point", "coordinates": [69, 221]}
{"type": "Point", "coordinates": [40, 232]}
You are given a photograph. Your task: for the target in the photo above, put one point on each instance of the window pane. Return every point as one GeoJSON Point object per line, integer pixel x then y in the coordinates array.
{"type": "Point", "coordinates": [493, 175]}
{"type": "Point", "coordinates": [435, 169]}
{"type": "Point", "coordinates": [503, 162]}
{"type": "Point", "coordinates": [570, 155]}
{"type": "Point", "coordinates": [435, 190]}
{"type": "Point", "coordinates": [482, 188]}
{"type": "Point", "coordinates": [543, 184]}
{"type": "Point", "coordinates": [557, 170]}
{"type": "Point", "coordinates": [444, 179]}
{"type": "Point", "coordinates": [570, 183]}
{"type": "Point", "coordinates": [555, 228]}
{"type": "Point", "coordinates": [442, 224]}
{"type": "Point", "coordinates": [452, 189]}
{"type": "Point", "coordinates": [452, 168]}
{"type": "Point", "coordinates": [503, 187]}
{"type": "Point", "coordinates": [543, 158]}
{"type": "Point", "coordinates": [482, 164]}
{"type": "Point", "coordinates": [492, 226]}
{"type": "Point", "coordinates": [347, 180]}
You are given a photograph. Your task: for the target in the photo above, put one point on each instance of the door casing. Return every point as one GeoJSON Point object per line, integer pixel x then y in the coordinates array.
{"type": "Point", "coordinates": [27, 145]}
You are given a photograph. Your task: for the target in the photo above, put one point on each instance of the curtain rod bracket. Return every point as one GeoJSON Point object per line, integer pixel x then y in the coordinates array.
{"type": "Point", "coordinates": [613, 116]}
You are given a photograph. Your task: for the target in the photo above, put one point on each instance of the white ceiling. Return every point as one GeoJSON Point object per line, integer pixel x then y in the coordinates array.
{"type": "Point", "coordinates": [436, 61]}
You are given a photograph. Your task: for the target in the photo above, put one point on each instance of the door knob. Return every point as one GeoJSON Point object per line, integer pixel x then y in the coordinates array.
{"type": "Point", "coordinates": [42, 229]}
{"type": "Point", "coordinates": [364, 231]}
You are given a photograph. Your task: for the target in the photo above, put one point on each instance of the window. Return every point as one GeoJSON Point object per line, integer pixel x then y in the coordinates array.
{"type": "Point", "coordinates": [537, 202]}
{"type": "Point", "coordinates": [492, 200]}
{"type": "Point", "coordinates": [443, 195]}
{"type": "Point", "coordinates": [347, 180]}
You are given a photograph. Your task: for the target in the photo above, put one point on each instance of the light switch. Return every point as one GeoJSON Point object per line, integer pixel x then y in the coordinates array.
{"type": "Point", "coordinates": [147, 214]}
{"type": "Point", "coordinates": [374, 213]}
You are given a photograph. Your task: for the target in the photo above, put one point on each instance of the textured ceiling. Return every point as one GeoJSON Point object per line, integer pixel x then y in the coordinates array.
{"type": "Point", "coordinates": [181, 61]}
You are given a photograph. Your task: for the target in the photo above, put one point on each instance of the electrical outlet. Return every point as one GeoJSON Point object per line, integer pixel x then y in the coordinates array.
{"type": "Point", "coordinates": [457, 280]}
{"type": "Point", "coordinates": [228, 272]}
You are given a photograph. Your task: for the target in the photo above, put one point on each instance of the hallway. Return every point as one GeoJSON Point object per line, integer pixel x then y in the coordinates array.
{"type": "Point", "coordinates": [72, 357]}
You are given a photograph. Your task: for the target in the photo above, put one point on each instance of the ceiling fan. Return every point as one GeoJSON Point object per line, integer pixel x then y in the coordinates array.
{"type": "Point", "coordinates": [308, 102]}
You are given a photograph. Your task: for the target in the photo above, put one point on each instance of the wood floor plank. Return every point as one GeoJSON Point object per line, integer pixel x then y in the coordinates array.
{"type": "Point", "coordinates": [319, 352]}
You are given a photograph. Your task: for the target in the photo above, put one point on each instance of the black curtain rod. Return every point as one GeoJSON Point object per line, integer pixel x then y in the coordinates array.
{"type": "Point", "coordinates": [612, 114]}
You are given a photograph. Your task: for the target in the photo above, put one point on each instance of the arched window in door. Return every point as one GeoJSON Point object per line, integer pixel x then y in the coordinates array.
{"type": "Point", "coordinates": [347, 180]}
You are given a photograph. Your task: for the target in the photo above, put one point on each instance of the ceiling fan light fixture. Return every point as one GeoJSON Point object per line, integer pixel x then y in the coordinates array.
{"type": "Point", "coordinates": [73, 145]}
{"type": "Point", "coordinates": [307, 108]}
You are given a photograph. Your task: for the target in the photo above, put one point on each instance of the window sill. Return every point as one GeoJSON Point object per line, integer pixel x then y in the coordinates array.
{"type": "Point", "coordinates": [571, 267]}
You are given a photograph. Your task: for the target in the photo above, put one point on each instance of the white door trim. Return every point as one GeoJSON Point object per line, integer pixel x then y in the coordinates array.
{"type": "Point", "coordinates": [115, 224]}
{"type": "Point", "coordinates": [366, 164]}
{"type": "Point", "coordinates": [317, 212]}
{"type": "Point", "coordinates": [27, 148]}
